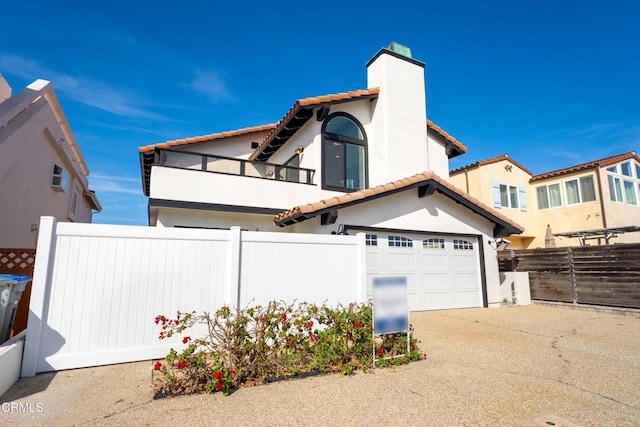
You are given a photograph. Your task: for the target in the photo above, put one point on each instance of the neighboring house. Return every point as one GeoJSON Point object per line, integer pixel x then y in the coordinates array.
{"type": "Point", "coordinates": [42, 171]}
{"type": "Point", "coordinates": [596, 202]}
{"type": "Point", "coordinates": [360, 161]}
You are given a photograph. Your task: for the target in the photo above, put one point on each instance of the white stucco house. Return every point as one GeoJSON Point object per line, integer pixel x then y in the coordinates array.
{"type": "Point", "coordinates": [42, 171]}
{"type": "Point", "coordinates": [367, 161]}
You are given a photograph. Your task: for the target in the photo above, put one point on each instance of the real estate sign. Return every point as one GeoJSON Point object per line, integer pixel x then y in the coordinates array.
{"type": "Point", "coordinates": [390, 305]}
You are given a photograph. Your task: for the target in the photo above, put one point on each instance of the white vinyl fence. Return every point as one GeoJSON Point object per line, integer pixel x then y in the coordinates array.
{"type": "Point", "coordinates": [97, 288]}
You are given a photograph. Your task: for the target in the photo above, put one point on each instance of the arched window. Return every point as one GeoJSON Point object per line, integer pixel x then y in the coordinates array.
{"type": "Point", "coordinates": [344, 154]}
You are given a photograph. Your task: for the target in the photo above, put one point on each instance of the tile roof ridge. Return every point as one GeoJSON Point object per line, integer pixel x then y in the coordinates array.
{"type": "Point", "coordinates": [382, 189]}
{"type": "Point", "coordinates": [445, 135]}
{"type": "Point", "coordinates": [605, 161]}
{"type": "Point", "coordinates": [208, 137]}
{"type": "Point", "coordinates": [490, 160]}
{"type": "Point", "coordinates": [311, 101]}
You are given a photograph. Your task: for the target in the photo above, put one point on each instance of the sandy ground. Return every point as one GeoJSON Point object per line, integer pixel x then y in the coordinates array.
{"type": "Point", "coordinates": [513, 366]}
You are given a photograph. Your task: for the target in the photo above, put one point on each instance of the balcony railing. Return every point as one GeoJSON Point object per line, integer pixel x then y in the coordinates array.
{"type": "Point", "coordinates": [232, 166]}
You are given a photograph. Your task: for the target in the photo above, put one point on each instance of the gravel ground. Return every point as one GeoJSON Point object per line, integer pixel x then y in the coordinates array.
{"type": "Point", "coordinates": [513, 366]}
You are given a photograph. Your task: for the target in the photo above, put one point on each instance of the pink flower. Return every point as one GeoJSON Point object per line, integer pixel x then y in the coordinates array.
{"type": "Point", "coordinates": [310, 323]}
{"type": "Point", "coordinates": [186, 340]}
{"type": "Point", "coordinates": [157, 366]}
{"type": "Point", "coordinates": [182, 364]}
{"type": "Point", "coordinates": [218, 375]}
{"type": "Point", "coordinates": [313, 336]}
{"type": "Point", "coordinates": [283, 316]}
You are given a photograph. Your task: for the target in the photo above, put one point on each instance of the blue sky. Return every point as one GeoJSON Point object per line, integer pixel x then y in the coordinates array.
{"type": "Point", "coordinates": [551, 83]}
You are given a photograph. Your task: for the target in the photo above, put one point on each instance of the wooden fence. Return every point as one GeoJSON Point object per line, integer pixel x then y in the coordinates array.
{"type": "Point", "coordinates": [19, 261]}
{"type": "Point", "coordinates": [602, 275]}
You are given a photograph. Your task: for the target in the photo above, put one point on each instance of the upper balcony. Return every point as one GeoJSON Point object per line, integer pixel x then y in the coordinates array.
{"type": "Point", "coordinates": [218, 180]}
{"type": "Point", "coordinates": [233, 166]}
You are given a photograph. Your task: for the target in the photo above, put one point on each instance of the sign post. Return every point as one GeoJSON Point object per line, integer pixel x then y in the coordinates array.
{"type": "Point", "coordinates": [390, 309]}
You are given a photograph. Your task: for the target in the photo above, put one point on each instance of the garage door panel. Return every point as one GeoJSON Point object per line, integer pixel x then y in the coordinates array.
{"type": "Point", "coordinates": [434, 261]}
{"type": "Point", "coordinates": [373, 261]}
{"type": "Point", "coordinates": [434, 282]}
{"type": "Point", "coordinates": [442, 271]}
{"type": "Point", "coordinates": [468, 281]}
{"type": "Point", "coordinates": [401, 261]}
{"type": "Point", "coordinates": [466, 299]}
{"type": "Point", "coordinates": [469, 263]}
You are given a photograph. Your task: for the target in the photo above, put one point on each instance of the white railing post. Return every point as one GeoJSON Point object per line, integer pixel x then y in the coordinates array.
{"type": "Point", "coordinates": [42, 273]}
{"type": "Point", "coordinates": [361, 265]}
{"type": "Point", "coordinates": [232, 289]}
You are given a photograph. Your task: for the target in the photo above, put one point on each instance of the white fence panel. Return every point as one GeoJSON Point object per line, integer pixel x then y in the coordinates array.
{"type": "Point", "coordinates": [304, 267]}
{"type": "Point", "coordinates": [107, 284]}
{"type": "Point", "coordinates": [97, 288]}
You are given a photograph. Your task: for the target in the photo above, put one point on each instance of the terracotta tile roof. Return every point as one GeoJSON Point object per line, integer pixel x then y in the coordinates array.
{"type": "Point", "coordinates": [445, 135]}
{"type": "Point", "coordinates": [308, 103]}
{"type": "Point", "coordinates": [301, 213]}
{"type": "Point", "coordinates": [210, 137]}
{"type": "Point", "coordinates": [495, 159]}
{"type": "Point", "coordinates": [607, 161]}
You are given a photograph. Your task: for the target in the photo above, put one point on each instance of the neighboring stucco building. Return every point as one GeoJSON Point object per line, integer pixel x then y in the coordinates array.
{"type": "Point", "coordinates": [42, 171]}
{"type": "Point", "coordinates": [365, 161]}
{"type": "Point", "coordinates": [595, 202]}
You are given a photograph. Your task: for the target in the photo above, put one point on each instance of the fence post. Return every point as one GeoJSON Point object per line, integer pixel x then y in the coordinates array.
{"type": "Point", "coordinates": [572, 276]}
{"type": "Point", "coordinates": [361, 265]}
{"type": "Point", "coordinates": [232, 291]}
{"type": "Point", "coordinates": [42, 276]}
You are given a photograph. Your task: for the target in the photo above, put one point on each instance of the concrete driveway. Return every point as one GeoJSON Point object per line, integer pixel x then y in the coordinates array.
{"type": "Point", "coordinates": [512, 366]}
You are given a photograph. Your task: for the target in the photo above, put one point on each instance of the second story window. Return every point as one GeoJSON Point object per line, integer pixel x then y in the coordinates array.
{"type": "Point", "coordinates": [344, 154]}
{"type": "Point", "coordinates": [580, 190]}
{"type": "Point", "coordinates": [59, 178]}
{"type": "Point", "coordinates": [509, 196]}
{"type": "Point", "coordinates": [624, 187]}
{"type": "Point", "coordinates": [548, 196]}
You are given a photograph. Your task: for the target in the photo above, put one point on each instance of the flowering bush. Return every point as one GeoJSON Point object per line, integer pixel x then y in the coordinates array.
{"type": "Point", "coordinates": [246, 346]}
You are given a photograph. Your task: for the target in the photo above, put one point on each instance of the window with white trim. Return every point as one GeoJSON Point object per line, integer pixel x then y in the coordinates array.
{"type": "Point", "coordinates": [623, 181]}
{"type": "Point", "coordinates": [59, 178]}
{"type": "Point", "coordinates": [462, 245]}
{"type": "Point", "coordinates": [509, 196]}
{"type": "Point", "coordinates": [74, 202]}
{"type": "Point", "coordinates": [580, 190]}
{"type": "Point", "coordinates": [399, 242]}
{"type": "Point", "coordinates": [371, 239]}
{"type": "Point", "coordinates": [433, 243]}
{"type": "Point", "coordinates": [548, 196]}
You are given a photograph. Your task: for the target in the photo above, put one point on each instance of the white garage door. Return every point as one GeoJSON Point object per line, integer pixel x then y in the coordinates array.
{"type": "Point", "coordinates": [442, 271]}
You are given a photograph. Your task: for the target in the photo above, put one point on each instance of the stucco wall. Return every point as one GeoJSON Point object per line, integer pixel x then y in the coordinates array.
{"type": "Point", "coordinates": [28, 151]}
{"type": "Point", "coordinates": [405, 210]}
{"type": "Point", "coordinates": [171, 217]}
{"type": "Point", "coordinates": [238, 147]}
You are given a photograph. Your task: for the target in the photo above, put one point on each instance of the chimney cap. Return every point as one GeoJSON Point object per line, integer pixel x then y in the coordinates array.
{"type": "Point", "coordinates": [400, 49]}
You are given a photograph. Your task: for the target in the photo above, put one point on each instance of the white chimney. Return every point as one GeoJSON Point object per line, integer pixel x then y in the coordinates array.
{"type": "Point", "coordinates": [397, 144]}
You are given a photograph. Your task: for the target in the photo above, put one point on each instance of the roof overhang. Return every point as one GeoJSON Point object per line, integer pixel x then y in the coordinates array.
{"type": "Point", "coordinates": [427, 184]}
{"type": "Point", "coordinates": [300, 113]}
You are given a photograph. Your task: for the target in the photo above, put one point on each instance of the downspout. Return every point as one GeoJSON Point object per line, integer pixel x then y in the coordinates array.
{"type": "Point", "coordinates": [604, 215]}
{"type": "Point", "coordinates": [466, 179]}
